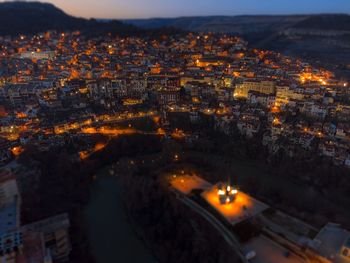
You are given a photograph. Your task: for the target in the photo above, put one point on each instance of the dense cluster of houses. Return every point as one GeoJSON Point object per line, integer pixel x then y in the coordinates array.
{"type": "Point", "coordinates": [50, 75]}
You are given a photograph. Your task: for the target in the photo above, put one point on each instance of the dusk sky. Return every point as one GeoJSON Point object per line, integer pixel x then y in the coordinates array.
{"type": "Point", "coordinates": [173, 8]}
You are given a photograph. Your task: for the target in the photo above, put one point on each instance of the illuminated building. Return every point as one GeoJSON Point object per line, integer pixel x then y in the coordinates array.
{"type": "Point", "coordinates": [284, 94]}
{"type": "Point", "coordinates": [168, 95]}
{"type": "Point", "coordinates": [211, 61]}
{"type": "Point", "coordinates": [266, 87]}
{"type": "Point", "coordinates": [38, 55]}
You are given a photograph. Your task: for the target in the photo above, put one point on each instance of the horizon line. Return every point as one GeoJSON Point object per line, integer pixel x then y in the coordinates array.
{"type": "Point", "coordinates": [175, 16]}
{"type": "Point", "coordinates": [199, 16]}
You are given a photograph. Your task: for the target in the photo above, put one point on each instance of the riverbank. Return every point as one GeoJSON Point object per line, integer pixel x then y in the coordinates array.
{"type": "Point", "coordinates": [110, 233]}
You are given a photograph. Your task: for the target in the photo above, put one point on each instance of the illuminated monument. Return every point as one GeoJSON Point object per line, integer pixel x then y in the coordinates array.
{"type": "Point", "coordinates": [227, 194]}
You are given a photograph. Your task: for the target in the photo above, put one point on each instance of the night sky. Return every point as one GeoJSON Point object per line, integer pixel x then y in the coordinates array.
{"type": "Point", "coordinates": [174, 8]}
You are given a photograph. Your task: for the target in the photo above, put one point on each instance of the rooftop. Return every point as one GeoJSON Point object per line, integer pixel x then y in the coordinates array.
{"type": "Point", "coordinates": [330, 241]}
{"type": "Point", "coordinates": [186, 183]}
{"type": "Point", "coordinates": [268, 251]}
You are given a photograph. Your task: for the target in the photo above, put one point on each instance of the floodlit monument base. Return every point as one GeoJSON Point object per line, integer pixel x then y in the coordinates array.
{"type": "Point", "coordinates": [240, 208]}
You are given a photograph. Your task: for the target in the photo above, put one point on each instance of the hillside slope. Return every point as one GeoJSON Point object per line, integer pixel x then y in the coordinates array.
{"type": "Point", "coordinates": [322, 39]}
{"type": "Point", "coordinates": [33, 17]}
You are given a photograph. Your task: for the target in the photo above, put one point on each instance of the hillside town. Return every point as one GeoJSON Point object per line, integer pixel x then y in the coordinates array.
{"type": "Point", "coordinates": [67, 80]}
{"type": "Point", "coordinates": [60, 87]}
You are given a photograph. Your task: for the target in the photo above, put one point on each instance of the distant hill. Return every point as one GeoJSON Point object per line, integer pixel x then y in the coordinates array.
{"type": "Point", "coordinates": [33, 17]}
{"type": "Point", "coordinates": [340, 22]}
{"type": "Point", "coordinates": [221, 24]}
{"type": "Point", "coordinates": [248, 23]}
{"type": "Point", "coordinates": [21, 17]}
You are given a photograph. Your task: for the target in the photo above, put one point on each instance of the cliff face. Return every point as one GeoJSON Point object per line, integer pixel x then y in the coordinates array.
{"type": "Point", "coordinates": [322, 39]}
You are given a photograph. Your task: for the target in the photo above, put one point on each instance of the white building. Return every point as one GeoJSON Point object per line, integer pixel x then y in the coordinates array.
{"type": "Point", "coordinates": [38, 55]}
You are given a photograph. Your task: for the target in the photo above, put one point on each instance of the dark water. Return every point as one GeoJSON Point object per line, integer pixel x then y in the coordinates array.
{"type": "Point", "coordinates": [111, 236]}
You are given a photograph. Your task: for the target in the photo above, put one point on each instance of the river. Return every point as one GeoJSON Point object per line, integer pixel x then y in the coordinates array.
{"type": "Point", "coordinates": [110, 234]}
